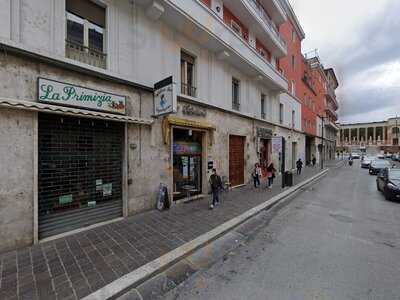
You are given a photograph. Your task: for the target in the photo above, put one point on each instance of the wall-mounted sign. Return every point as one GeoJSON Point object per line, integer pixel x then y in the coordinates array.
{"type": "Point", "coordinates": [277, 144]}
{"type": "Point", "coordinates": [60, 93]}
{"type": "Point", "coordinates": [165, 97]}
{"type": "Point", "coordinates": [191, 110]}
{"type": "Point", "coordinates": [186, 148]}
{"type": "Point", "coordinates": [264, 132]}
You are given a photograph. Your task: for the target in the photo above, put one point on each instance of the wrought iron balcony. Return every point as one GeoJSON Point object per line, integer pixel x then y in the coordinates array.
{"type": "Point", "coordinates": [86, 55]}
{"type": "Point", "coordinates": [189, 90]}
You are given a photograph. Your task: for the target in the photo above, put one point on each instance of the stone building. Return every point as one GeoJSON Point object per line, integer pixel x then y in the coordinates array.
{"type": "Point", "coordinates": [370, 137]}
{"type": "Point", "coordinates": [81, 140]}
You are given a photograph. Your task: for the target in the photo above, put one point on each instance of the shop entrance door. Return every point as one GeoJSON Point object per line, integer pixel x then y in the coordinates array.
{"type": "Point", "coordinates": [264, 155]}
{"type": "Point", "coordinates": [236, 159]}
{"type": "Point", "coordinates": [187, 163]}
{"type": "Point", "coordinates": [80, 172]}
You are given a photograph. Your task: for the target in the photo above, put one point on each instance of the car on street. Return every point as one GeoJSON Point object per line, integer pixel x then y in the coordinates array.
{"type": "Point", "coordinates": [388, 182]}
{"type": "Point", "coordinates": [388, 155]}
{"type": "Point", "coordinates": [365, 163]}
{"type": "Point", "coordinates": [377, 165]}
{"type": "Point", "coordinates": [381, 156]}
{"type": "Point", "coordinates": [395, 157]}
{"type": "Point", "coordinates": [355, 155]}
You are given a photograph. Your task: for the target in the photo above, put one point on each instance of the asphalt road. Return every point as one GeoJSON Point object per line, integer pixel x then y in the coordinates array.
{"type": "Point", "coordinates": [337, 240]}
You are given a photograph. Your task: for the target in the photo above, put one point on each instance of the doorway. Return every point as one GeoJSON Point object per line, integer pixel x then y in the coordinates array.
{"type": "Point", "coordinates": [236, 159]}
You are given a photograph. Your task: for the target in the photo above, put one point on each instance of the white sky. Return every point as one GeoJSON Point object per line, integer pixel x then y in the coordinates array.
{"type": "Point", "coordinates": [357, 38]}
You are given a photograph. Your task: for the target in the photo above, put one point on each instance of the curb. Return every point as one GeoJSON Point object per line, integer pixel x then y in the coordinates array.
{"type": "Point", "coordinates": [156, 266]}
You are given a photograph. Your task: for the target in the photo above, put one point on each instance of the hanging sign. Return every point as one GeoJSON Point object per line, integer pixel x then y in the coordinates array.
{"type": "Point", "coordinates": [165, 97]}
{"type": "Point", "coordinates": [60, 93]}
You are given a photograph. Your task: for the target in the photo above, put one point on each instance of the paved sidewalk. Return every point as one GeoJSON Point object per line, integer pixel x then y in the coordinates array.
{"type": "Point", "coordinates": [79, 264]}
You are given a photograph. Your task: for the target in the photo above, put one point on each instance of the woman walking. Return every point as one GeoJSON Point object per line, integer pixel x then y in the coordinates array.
{"type": "Point", "coordinates": [256, 175]}
{"type": "Point", "coordinates": [271, 175]}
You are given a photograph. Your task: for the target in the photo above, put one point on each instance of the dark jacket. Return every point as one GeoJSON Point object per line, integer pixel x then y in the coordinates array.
{"type": "Point", "coordinates": [299, 164]}
{"type": "Point", "coordinates": [215, 182]}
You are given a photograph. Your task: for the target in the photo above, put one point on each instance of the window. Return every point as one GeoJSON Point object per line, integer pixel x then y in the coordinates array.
{"type": "Point", "coordinates": [235, 94]}
{"type": "Point", "coordinates": [293, 62]}
{"type": "Point", "coordinates": [293, 118]}
{"type": "Point", "coordinates": [281, 113]}
{"type": "Point", "coordinates": [236, 27]}
{"type": "Point", "coordinates": [293, 88]}
{"type": "Point", "coordinates": [293, 36]}
{"type": "Point", "coordinates": [187, 74]}
{"type": "Point", "coordinates": [85, 30]}
{"type": "Point", "coordinates": [262, 106]}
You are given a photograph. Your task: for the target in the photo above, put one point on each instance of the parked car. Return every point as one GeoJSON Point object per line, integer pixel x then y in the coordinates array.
{"type": "Point", "coordinates": [388, 182]}
{"type": "Point", "coordinates": [355, 155]}
{"type": "Point", "coordinates": [388, 155]}
{"type": "Point", "coordinates": [380, 156]}
{"type": "Point", "coordinates": [395, 157]}
{"type": "Point", "coordinates": [366, 162]}
{"type": "Point", "coordinates": [377, 165]}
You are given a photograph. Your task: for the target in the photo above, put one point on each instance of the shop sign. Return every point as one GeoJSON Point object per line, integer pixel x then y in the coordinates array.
{"type": "Point", "coordinates": [61, 93]}
{"type": "Point", "coordinates": [264, 132]}
{"type": "Point", "coordinates": [187, 148]}
{"type": "Point", "coordinates": [277, 144]}
{"type": "Point", "coordinates": [191, 110]}
{"type": "Point", "coordinates": [165, 97]}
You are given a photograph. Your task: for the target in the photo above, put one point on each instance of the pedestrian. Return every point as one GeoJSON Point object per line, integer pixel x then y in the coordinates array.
{"type": "Point", "coordinates": [216, 184]}
{"type": "Point", "coordinates": [257, 175]}
{"type": "Point", "coordinates": [299, 166]}
{"type": "Point", "coordinates": [271, 175]}
{"type": "Point", "coordinates": [314, 160]}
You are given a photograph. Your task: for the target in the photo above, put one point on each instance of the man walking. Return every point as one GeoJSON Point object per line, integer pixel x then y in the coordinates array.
{"type": "Point", "coordinates": [299, 166]}
{"type": "Point", "coordinates": [216, 184]}
{"type": "Point", "coordinates": [314, 160]}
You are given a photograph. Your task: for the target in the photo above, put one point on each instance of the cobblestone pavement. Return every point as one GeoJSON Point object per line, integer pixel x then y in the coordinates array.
{"type": "Point", "coordinates": [74, 266]}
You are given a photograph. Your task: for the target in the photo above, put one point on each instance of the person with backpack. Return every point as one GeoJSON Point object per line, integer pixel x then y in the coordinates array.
{"type": "Point", "coordinates": [257, 173]}
{"type": "Point", "coordinates": [299, 166]}
{"type": "Point", "coordinates": [216, 185]}
{"type": "Point", "coordinates": [271, 175]}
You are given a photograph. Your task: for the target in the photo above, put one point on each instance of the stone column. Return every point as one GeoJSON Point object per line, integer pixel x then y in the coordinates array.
{"type": "Point", "coordinates": [374, 136]}
{"type": "Point", "coordinates": [358, 136]}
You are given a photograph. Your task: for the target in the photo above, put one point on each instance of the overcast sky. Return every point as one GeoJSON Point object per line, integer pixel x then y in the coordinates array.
{"type": "Point", "coordinates": [360, 39]}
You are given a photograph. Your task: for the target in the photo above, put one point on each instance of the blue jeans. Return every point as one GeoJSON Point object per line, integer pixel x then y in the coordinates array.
{"type": "Point", "coordinates": [256, 180]}
{"type": "Point", "coordinates": [215, 195]}
{"type": "Point", "coordinates": [270, 181]}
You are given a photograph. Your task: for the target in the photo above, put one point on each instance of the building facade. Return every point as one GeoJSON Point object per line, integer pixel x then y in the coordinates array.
{"type": "Point", "coordinates": [371, 137]}
{"type": "Point", "coordinates": [82, 144]}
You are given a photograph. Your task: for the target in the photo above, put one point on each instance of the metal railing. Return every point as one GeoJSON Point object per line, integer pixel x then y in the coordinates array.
{"type": "Point", "coordinates": [85, 54]}
{"type": "Point", "coordinates": [188, 90]}
{"type": "Point", "coordinates": [267, 21]}
{"type": "Point", "coordinates": [235, 105]}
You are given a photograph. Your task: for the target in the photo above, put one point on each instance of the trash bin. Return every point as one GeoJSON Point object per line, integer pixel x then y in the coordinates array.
{"type": "Point", "coordinates": [288, 178]}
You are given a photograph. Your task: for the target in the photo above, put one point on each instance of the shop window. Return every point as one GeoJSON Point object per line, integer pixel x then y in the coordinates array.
{"type": "Point", "coordinates": [187, 75]}
{"type": "Point", "coordinates": [263, 115]}
{"type": "Point", "coordinates": [187, 162]}
{"type": "Point", "coordinates": [85, 32]}
{"type": "Point", "coordinates": [235, 94]}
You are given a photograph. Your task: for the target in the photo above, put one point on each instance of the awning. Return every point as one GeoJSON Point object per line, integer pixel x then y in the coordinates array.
{"type": "Point", "coordinates": [184, 123]}
{"type": "Point", "coordinates": [54, 109]}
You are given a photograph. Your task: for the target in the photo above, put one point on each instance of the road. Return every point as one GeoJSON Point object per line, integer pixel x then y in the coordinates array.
{"type": "Point", "coordinates": [337, 240]}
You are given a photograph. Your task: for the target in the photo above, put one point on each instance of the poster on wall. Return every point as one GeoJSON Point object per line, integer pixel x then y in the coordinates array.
{"type": "Point", "coordinates": [66, 94]}
{"type": "Point", "coordinates": [165, 101]}
{"type": "Point", "coordinates": [277, 144]}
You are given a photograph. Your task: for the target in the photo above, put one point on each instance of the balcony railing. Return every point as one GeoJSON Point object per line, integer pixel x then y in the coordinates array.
{"type": "Point", "coordinates": [189, 90]}
{"type": "Point", "coordinates": [332, 95]}
{"type": "Point", "coordinates": [268, 22]}
{"type": "Point", "coordinates": [86, 55]}
{"type": "Point", "coordinates": [236, 105]}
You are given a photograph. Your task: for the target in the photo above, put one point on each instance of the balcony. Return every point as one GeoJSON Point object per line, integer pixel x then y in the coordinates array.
{"type": "Point", "coordinates": [196, 21]}
{"type": "Point", "coordinates": [331, 112]}
{"type": "Point", "coordinates": [254, 17]}
{"type": "Point", "coordinates": [188, 90]}
{"type": "Point", "coordinates": [85, 55]}
{"type": "Point", "coordinates": [331, 95]}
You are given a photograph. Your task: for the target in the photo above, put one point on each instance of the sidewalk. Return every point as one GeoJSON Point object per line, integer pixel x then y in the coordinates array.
{"type": "Point", "coordinates": [79, 264]}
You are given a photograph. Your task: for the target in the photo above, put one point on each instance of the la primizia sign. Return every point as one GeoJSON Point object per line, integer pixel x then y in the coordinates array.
{"type": "Point", "coordinates": [60, 93]}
